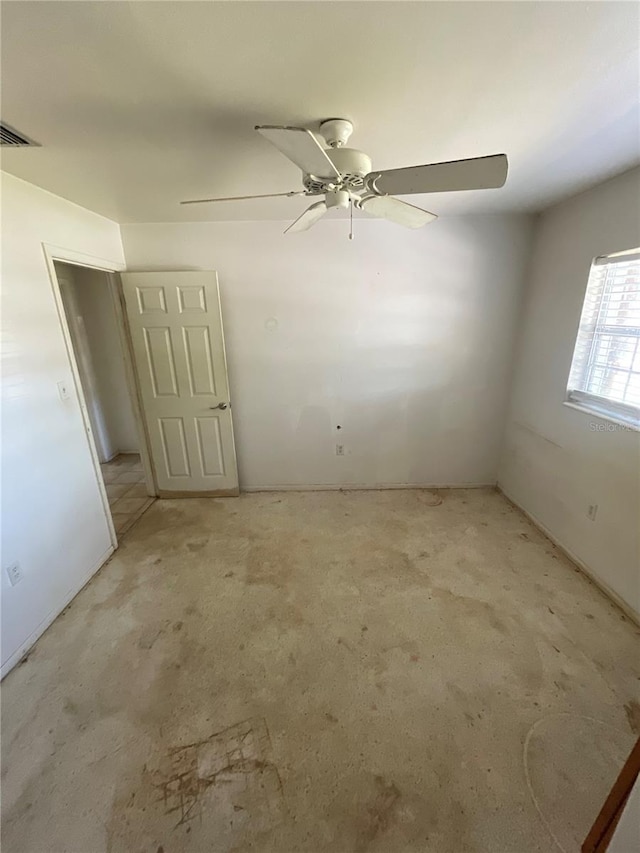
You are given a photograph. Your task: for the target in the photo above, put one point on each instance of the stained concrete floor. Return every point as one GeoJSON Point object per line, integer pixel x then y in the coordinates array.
{"type": "Point", "coordinates": [360, 671]}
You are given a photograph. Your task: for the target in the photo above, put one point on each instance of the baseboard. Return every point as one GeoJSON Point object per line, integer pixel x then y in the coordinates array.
{"type": "Point", "coordinates": [210, 493]}
{"type": "Point", "coordinates": [348, 487]}
{"type": "Point", "coordinates": [17, 656]}
{"type": "Point", "coordinates": [588, 572]}
{"type": "Point", "coordinates": [121, 453]}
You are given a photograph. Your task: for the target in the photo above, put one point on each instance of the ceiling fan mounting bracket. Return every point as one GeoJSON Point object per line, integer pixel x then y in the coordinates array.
{"type": "Point", "coordinates": [336, 131]}
{"type": "Point", "coordinates": [370, 184]}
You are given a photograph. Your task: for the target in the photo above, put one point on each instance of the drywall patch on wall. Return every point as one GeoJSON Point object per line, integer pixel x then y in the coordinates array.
{"type": "Point", "coordinates": [578, 465]}
{"type": "Point", "coordinates": [53, 521]}
{"type": "Point", "coordinates": [403, 338]}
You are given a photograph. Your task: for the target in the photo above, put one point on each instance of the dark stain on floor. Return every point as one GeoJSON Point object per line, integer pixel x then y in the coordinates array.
{"type": "Point", "coordinates": [197, 544]}
{"type": "Point", "coordinates": [632, 710]}
{"type": "Point", "coordinates": [380, 813]}
{"type": "Point", "coordinates": [236, 756]}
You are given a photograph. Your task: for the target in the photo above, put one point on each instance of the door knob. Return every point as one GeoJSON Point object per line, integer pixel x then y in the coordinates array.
{"type": "Point", "coordinates": [222, 406]}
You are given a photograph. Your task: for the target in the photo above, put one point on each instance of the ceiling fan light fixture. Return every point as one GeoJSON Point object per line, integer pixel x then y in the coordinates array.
{"type": "Point", "coordinates": [338, 199]}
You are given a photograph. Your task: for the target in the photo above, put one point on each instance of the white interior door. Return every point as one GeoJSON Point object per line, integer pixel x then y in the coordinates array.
{"type": "Point", "coordinates": [178, 348]}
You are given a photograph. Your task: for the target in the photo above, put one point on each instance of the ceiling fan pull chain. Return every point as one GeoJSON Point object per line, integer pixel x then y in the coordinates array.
{"type": "Point", "coordinates": [351, 219]}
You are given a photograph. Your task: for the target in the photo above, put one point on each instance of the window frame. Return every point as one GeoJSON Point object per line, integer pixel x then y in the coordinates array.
{"type": "Point", "coordinates": [624, 414]}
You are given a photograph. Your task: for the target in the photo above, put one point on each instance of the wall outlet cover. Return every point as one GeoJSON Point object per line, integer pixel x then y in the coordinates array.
{"type": "Point", "coordinates": [14, 573]}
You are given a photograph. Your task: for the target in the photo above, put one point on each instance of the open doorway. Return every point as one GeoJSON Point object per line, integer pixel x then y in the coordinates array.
{"type": "Point", "coordinates": [90, 309]}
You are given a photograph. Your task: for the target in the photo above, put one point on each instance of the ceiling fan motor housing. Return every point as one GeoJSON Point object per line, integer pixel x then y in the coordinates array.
{"type": "Point", "coordinates": [352, 164]}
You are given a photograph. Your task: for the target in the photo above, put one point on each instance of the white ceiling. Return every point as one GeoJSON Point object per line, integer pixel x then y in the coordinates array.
{"type": "Point", "coordinates": [138, 105]}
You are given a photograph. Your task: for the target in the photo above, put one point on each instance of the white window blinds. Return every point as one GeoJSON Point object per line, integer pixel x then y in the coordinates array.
{"type": "Point", "coordinates": [605, 371]}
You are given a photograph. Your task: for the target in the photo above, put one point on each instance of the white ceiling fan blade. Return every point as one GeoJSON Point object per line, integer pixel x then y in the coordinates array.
{"type": "Point", "coordinates": [478, 173]}
{"type": "Point", "coordinates": [243, 197]}
{"type": "Point", "coordinates": [388, 207]}
{"type": "Point", "coordinates": [302, 148]}
{"type": "Point", "coordinates": [308, 218]}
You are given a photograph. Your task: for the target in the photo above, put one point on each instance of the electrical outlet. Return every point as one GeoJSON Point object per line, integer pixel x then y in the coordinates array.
{"type": "Point", "coordinates": [339, 449]}
{"type": "Point", "coordinates": [592, 512]}
{"type": "Point", "coordinates": [14, 573]}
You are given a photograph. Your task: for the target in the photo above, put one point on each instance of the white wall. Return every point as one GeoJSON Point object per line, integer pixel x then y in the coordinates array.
{"type": "Point", "coordinates": [403, 338]}
{"type": "Point", "coordinates": [94, 301]}
{"type": "Point", "coordinates": [53, 521]}
{"type": "Point", "coordinates": [556, 462]}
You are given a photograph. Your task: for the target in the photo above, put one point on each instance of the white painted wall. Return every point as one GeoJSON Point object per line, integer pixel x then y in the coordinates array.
{"type": "Point", "coordinates": [53, 521]}
{"type": "Point", "coordinates": [556, 460]}
{"type": "Point", "coordinates": [94, 301]}
{"type": "Point", "coordinates": [403, 338]}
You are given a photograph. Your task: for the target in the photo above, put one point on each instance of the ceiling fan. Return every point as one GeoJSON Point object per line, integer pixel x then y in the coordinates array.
{"type": "Point", "coordinates": [345, 178]}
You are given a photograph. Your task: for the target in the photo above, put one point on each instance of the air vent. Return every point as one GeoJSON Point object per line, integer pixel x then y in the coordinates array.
{"type": "Point", "coordinates": [9, 136]}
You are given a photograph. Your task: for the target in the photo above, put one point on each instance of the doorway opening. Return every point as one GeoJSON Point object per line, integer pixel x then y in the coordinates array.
{"type": "Point", "coordinates": [126, 489]}
{"type": "Point", "coordinates": [96, 334]}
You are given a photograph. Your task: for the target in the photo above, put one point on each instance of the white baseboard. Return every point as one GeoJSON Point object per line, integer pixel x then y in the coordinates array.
{"type": "Point", "coordinates": [17, 656]}
{"type": "Point", "coordinates": [604, 587]}
{"type": "Point", "coordinates": [344, 487]}
{"type": "Point", "coordinates": [121, 453]}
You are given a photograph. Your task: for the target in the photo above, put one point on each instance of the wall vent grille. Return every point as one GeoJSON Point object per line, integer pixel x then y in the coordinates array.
{"type": "Point", "coordinates": [9, 136]}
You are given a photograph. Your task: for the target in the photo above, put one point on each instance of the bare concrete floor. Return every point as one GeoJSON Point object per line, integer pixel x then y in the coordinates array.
{"type": "Point", "coordinates": [361, 671]}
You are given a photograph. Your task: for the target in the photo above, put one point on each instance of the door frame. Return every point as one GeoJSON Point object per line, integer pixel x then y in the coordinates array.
{"type": "Point", "coordinates": [112, 270]}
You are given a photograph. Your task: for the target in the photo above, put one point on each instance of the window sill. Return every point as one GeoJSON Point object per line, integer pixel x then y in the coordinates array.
{"type": "Point", "coordinates": [621, 423]}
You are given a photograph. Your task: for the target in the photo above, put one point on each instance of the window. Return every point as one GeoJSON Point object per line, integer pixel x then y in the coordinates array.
{"type": "Point", "coordinates": [605, 371]}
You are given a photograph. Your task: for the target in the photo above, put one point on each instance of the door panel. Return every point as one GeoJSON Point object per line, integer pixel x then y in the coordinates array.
{"type": "Point", "coordinates": [210, 445]}
{"type": "Point", "coordinates": [197, 346]}
{"type": "Point", "coordinates": [178, 346]}
{"type": "Point", "coordinates": [161, 361]}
